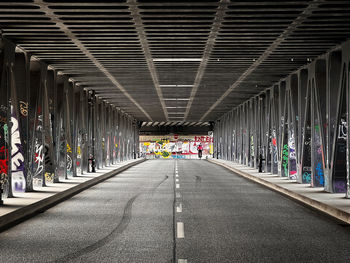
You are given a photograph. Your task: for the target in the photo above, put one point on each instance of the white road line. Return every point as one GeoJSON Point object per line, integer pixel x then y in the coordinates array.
{"type": "Point", "coordinates": [177, 180]}
{"type": "Point", "coordinates": [180, 230]}
{"type": "Point", "coordinates": [177, 186]}
{"type": "Point", "coordinates": [176, 175]}
{"type": "Point", "coordinates": [182, 261]}
{"type": "Point", "coordinates": [179, 208]}
{"type": "Point", "coordinates": [178, 195]}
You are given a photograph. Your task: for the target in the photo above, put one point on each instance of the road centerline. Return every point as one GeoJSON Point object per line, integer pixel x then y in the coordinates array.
{"type": "Point", "coordinates": [180, 230]}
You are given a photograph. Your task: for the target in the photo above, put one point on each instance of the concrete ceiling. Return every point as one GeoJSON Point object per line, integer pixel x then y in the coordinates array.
{"type": "Point", "coordinates": [176, 61]}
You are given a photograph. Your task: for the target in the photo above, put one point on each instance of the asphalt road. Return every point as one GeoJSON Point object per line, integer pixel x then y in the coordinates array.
{"type": "Point", "coordinates": [184, 211]}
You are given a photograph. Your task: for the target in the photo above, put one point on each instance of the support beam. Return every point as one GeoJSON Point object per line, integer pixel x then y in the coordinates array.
{"type": "Point", "coordinates": [276, 43]}
{"type": "Point", "coordinates": [219, 17]}
{"type": "Point", "coordinates": [44, 7]}
{"type": "Point", "coordinates": [147, 51]}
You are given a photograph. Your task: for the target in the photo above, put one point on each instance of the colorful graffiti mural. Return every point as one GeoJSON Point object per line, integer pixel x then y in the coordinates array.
{"type": "Point", "coordinates": [184, 147]}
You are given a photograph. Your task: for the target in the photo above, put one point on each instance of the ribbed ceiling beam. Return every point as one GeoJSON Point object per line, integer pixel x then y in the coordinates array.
{"type": "Point", "coordinates": [219, 17]}
{"type": "Point", "coordinates": [276, 43]}
{"type": "Point", "coordinates": [54, 18]}
{"type": "Point", "coordinates": [147, 52]}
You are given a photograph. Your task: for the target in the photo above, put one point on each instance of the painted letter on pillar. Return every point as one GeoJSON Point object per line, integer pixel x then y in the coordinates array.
{"type": "Point", "coordinates": [17, 159]}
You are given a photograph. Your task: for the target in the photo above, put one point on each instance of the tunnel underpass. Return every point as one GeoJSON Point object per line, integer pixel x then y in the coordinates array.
{"type": "Point", "coordinates": [174, 131]}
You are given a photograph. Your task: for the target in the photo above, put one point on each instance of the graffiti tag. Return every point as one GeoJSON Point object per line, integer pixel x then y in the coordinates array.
{"type": "Point", "coordinates": [23, 107]}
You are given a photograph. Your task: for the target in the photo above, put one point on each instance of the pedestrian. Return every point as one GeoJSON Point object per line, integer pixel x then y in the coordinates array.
{"type": "Point", "coordinates": [200, 151]}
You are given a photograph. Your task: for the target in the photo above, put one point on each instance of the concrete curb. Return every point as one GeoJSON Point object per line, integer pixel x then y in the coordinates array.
{"type": "Point", "coordinates": [26, 212]}
{"type": "Point", "coordinates": [331, 211]}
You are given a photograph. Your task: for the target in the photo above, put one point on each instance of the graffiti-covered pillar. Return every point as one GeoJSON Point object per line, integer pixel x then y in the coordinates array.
{"type": "Point", "coordinates": [258, 128]}
{"type": "Point", "coordinates": [233, 135]}
{"type": "Point", "coordinates": [250, 126]}
{"type": "Point", "coordinates": [266, 131]}
{"type": "Point", "coordinates": [292, 83]}
{"type": "Point", "coordinates": [256, 120]}
{"type": "Point", "coordinates": [137, 138]}
{"type": "Point", "coordinates": [274, 129]}
{"type": "Point", "coordinates": [123, 128]}
{"type": "Point", "coordinates": [118, 133]}
{"type": "Point", "coordinates": [131, 138]}
{"type": "Point", "coordinates": [11, 155]}
{"type": "Point", "coordinates": [269, 115]}
{"type": "Point", "coordinates": [120, 136]}
{"type": "Point", "coordinates": [60, 132]}
{"type": "Point", "coordinates": [3, 127]}
{"type": "Point", "coordinates": [346, 83]}
{"type": "Point", "coordinates": [52, 94]}
{"type": "Point", "coordinates": [105, 134]}
{"type": "Point", "coordinates": [97, 140]}
{"type": "Point", "coordinates": [263, 124]}
{"type": "Point", "coordinates": [78, 129]}
{"type": "Point", "coordinates": [109, 133]}
{"type": "Point", "coordinates": [91, 131]}
{"type": "Point", "coordinates": [284, 149]}
{"type": "Point", "coordinates": [115, 134]}
{"type": "Point", "coordinates": [303, 170]}
{"type": "Point", "coordinates": [76, 136]}
{"type": "Point", "coordinates": [215, 139]}
{"type": "Point", "coordinates": [68, 109]}
{"type": "Point", "coordinates": [240, 137]}
{"type": "Point", "coordinates": [336, 152]}
{"type": "Point", "coordinates": [255, 132]}
{"type": "Point", "coordinates": [229, 135]}
{"type": "Point", "coordinates": [84, 108]}
{"type": "Point", "coordinates": [224, 137]}
{"type": "Point", "coordinates": [48, 139]}
{"type": "Point", "coordinates": [21, 71]}
{"type": "Point", "coordinates": [317, 81]}
{"type": "Point", "coordinates": [102, 125]}
{"type": "Point", "coordinates": [36, 141]}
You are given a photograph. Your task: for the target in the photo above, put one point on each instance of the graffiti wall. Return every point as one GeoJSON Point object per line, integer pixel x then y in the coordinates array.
{"type": "Point", "coordinates": [175, 147]}
{"type": "Point", "coordinates": [300, 123]}
{"type": "Point", "coordinates": [50, 128]}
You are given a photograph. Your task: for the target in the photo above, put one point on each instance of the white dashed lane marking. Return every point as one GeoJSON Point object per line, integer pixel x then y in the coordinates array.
{"type": "Point", "coordinates": [180, 230]}
{"type": "Point", "coordinates": [179, 208]}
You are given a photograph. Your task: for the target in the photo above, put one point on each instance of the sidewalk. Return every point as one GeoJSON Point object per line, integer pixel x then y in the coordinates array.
{"type": "Point", "coordinates": [25, 205]}
{"type": "Point", "coordinates": [334, 205]}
